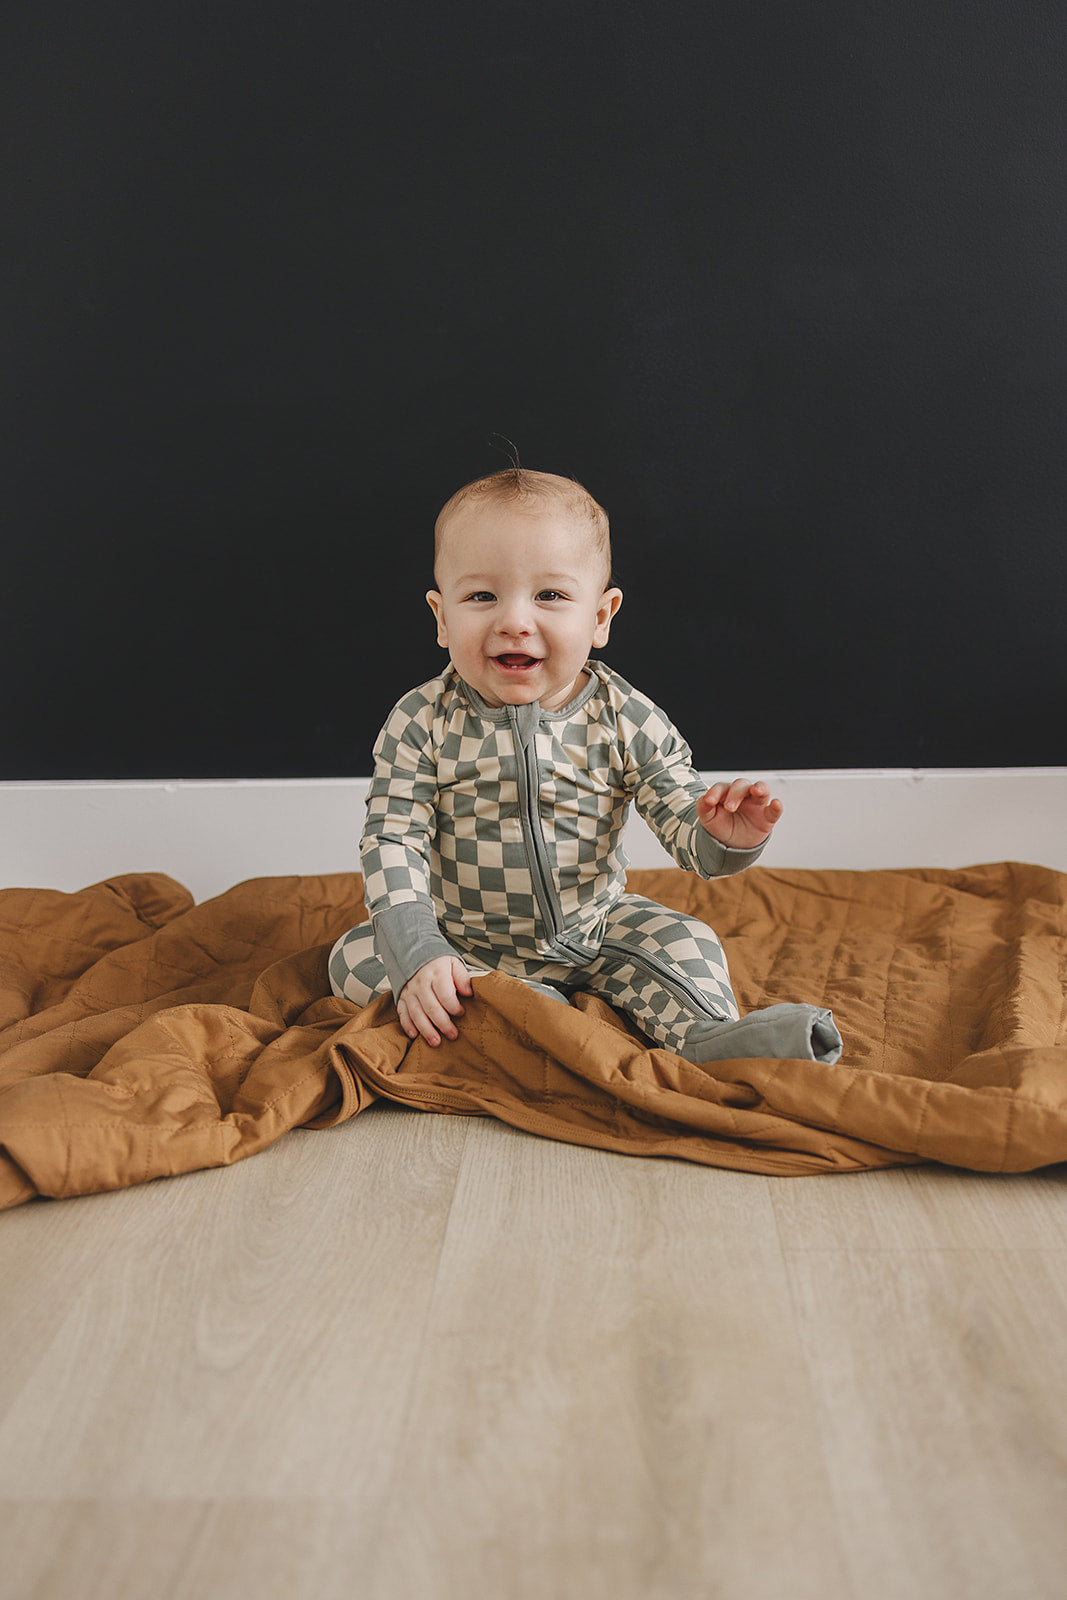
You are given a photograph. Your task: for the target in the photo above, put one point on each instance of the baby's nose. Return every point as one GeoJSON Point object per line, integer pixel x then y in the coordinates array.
{"type": "Point", "coordinates": [515, 618]}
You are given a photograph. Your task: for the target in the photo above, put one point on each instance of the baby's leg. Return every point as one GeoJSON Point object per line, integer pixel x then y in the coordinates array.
{"type": "Point", "coordinates": [356, 974]}
{"type": "Point", "coordinates": [664, 969]}
{"type": "Point", "coordinates": [669, 973]}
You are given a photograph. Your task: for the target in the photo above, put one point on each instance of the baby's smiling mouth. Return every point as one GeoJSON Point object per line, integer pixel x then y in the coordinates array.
{"type": "Point", "coordinates": [513, 662]}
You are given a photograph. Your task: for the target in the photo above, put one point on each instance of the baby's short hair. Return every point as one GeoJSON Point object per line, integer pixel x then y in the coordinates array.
{"type": "Point", "coordinates": [526, 487]}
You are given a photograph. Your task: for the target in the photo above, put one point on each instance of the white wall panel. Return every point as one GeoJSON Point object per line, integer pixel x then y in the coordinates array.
{"type": "Point", "coordinates": [210, 835]}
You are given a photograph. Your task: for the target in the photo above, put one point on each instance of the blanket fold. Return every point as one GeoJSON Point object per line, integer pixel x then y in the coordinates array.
{"type": "Point", "coordinates": [142, 1035]}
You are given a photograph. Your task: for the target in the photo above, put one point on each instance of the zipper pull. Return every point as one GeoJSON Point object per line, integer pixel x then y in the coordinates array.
{"type": "Point", "coordinates": [524, 720]}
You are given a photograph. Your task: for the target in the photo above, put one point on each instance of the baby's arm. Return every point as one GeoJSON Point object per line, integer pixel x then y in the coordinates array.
{"type": "Point", "coordinates": [425, 974]}
{"type": "Point", "coordinates": [712, 832]}
{"type": "Point", "coordinates": [430, 999]}
{"type": "Point", "coordinates": [740, 815]}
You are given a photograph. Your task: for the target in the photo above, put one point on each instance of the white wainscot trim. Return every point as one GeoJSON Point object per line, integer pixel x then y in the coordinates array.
{"type": "Point", "coordinates": [212, 834]}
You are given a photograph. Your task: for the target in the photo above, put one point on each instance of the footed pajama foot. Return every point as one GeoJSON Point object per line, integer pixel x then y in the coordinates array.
{"type": "Point", "coordinates": [790, 1031]}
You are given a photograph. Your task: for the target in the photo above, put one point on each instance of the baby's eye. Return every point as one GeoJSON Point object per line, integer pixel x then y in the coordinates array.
{"type": "Point", "coordinates": [551, 594]}
{"type": "Point", "coordinates": [481, 594]}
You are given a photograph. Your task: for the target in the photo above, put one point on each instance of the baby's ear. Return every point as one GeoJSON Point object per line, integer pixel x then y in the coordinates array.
{"type": "Point", "coordinates": [437, 606]}
{"type": "Point", "coordinates": [610, 601]}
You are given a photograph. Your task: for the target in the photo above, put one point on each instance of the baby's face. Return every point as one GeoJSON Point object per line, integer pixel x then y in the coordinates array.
{"type": "Point", "coordinates": [521, 602]}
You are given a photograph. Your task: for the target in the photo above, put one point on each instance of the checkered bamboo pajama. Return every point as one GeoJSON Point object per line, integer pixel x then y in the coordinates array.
{"type": "Point", "coordinates": [495, 833]}
{"type": "Point", "coordinates": [665, 970]}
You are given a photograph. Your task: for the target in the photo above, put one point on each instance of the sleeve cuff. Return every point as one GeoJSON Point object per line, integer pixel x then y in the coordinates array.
{"type": "Point", "coordinates": [717, 860]}
{"type": "Point", "coordinates": [405, 938]}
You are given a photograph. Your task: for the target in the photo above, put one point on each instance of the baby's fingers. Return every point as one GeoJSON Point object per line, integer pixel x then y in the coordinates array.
{"type": "Point", "coordinates": [462, 979]}
{"type": "Point", "coordinates": [430, 1020]}
{"type": "Point", "coordinates": [757, 802]}
{"type": "Point", "coordinates": [713, 798]}
{"type": "Point", "coordinates": [742, 790]}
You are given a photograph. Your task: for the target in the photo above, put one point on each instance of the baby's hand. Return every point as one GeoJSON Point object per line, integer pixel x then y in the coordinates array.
{"type": "Point", "coordinates": [430, 999]}
{"type": "Point", "coordinates": [739, 814]}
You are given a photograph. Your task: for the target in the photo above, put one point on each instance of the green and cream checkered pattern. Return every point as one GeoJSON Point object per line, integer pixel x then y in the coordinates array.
{"type": "Point", "coordinates": [666, 970]}
{"type": "Point", "coordinates": [444, 821]}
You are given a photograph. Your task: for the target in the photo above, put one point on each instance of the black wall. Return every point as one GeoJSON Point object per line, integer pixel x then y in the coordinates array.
{"type": "Point", "coordinates": [784, 285]}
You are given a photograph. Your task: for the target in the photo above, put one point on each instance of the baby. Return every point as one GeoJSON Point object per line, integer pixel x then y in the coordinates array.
{"type": "Point", "coordinates": [500, 794]}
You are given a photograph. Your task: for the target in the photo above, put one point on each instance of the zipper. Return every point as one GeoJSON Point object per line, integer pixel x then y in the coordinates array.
{"type": "Point", "coordinates": [537, 859]}
{"type": "Point", "coordinates": [544, 889]}
{"type": "Point", "coordinates": [676, 982]}
{"type": "Point", "coordinates": [532, 836]}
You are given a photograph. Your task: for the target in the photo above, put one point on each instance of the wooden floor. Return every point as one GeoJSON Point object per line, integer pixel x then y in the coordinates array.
{"type": "Point", "coordinates": [423, 1356]}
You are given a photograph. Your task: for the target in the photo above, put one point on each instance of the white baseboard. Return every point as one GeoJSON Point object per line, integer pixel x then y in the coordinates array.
{"type": "Point", "coordinates": [210, 835]}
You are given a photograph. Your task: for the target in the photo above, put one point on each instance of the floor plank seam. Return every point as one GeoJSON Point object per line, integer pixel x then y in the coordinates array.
{"type": "Point", "coordinates": [817, 1410]}
{"type": "Point", "coordinates": [406, 1429]}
